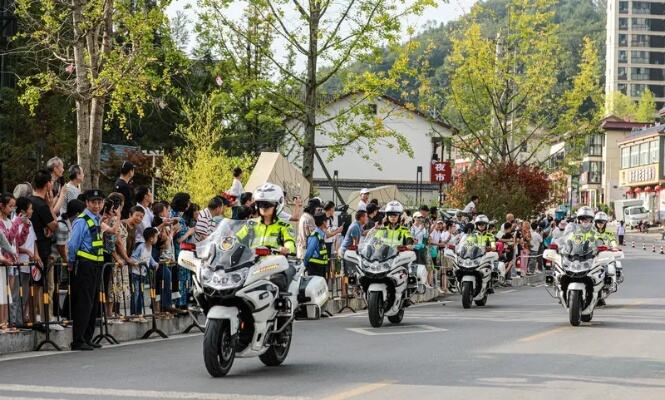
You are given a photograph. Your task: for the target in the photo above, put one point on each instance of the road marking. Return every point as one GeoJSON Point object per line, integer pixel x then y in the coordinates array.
{"type": "Point", "coordinates": [542, 334]}
{"type": "Point", "coordinates": [396, 330]}
{"type": "Point", "coordinates": [152, 394]}
{"type": "Point", "coordinates": [508, 291]}
{"type": "Point", "coordinates": [364, 389]}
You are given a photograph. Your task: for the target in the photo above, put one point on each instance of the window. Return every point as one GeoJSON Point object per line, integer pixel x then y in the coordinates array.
{"type": "Point", "coordinates": [640, 7]}
{"type": "Point", "coordinates": [595, 145]}
{"type": "Point", "coordinates": [623, 7]}
{"type": "Point", "coordinates": [634, 156]}
{"type": "Point", "coordinates": [653, 152]}
{"type": "Point", "coordinates": [644, 153]}
{"type": "Point", "coordinates": [639, 24]}
{"type": "Point", "coordinates": [625, 157]}
{"type": "Point", "coordinates": [623, 24]}
{"type": "Point", "coordinates": [639, 40]}
{"type": "Point", "coordinates": [623, 39]}
{"type": "Point", "coordinates": [623, 56]}
{"type": "Point", "coordinates": [639, 74]}
{"type": "Point", "coordinates": [595, 171]}
{"type": "Point", "coordinates": [623, 88]}
{"type": "Point", "coordinates": [639, 57]}
{"type": "Point", "coordinates": [636, 90]}
{"type": "Point", "coordinates": [621, 73]}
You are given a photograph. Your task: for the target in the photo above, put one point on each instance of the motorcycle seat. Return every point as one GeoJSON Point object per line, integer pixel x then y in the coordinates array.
{"type": "Point", "coordinates": [284, 278]}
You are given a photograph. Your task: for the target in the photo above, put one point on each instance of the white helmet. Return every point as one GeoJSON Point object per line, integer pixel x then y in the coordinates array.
{"type": "Point", "coordinates": [585, 212]}
{"type": "Point", "coordinates": [270, 193]}
{"type": "Point", "coordinates": [394, 207]}
{"type": "Point", "coordinates": [601, 217]}
{"type": "Point", "coordinates": [481, 219]}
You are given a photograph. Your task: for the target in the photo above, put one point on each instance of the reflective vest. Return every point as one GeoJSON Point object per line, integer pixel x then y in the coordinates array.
{"type": "Point", "coordinates": [394, 237]}
{"type": "Point", "coordinates": [97, 253]}
{"type": "Point", "coordinates": [607, 238]}
{"type": "Point", "coordinates": [322, 260]}
{"type": "Point", "coordinates": [482, 239]}
{"type": "Point", "coordinates": [257, 234]}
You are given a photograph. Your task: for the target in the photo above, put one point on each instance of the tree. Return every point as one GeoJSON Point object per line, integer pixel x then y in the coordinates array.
{"type": "Point", "coordinates": [504, 97]}
{"type": "Point", "coordinates": [522, 190]}
{"type": "Point", "coordinates": [105, 54]}
{"type": "Point", "coordinates": [327, 37]}
{"type": "Point", "coordinates": [200, 167]}
{"type": "Point", "coordinates": [646, 108]}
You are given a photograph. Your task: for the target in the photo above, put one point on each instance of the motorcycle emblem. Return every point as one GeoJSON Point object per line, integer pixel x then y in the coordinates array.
{"type": "Point", "coordinates": [227, 243]}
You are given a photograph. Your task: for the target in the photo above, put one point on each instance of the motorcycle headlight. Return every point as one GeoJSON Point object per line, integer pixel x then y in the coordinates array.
{"type": "Point", "coordinates": [576, 266]}
{"type": "Point", "coordinates": [222, 280]}
{"type": "Point", "coordinates": [470, 263]}
{"type": "Point", "coordinates": [376, 267]}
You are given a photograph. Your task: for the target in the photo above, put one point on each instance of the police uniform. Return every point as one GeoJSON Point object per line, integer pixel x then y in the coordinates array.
{"type": "Point", "coordinates": [318, 265]}
{"type": "Point", "coordinates": [606, 238]}
{"type": "Point", "coordinates": [86, 256]}
{"type": "Point", "coordinates": [257, 234]}
{"type": "Point", "coordinates": [482, 239]}
{"type": "Point", "coordinates": [399, 236]}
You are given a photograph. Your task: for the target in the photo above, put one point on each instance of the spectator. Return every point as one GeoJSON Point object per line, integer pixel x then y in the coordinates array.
{"type": "Point", "coordinates": [372, 211]}
{"type": "Point", "coordinates": [44, 224]}
{"type": "Point", "coordinates": [316, 255]}
{"type": "Point", "coordinates": [132, 224]}
{"type": "Point", "coordinates": [123, 186]}
{"type": "Point", "coordinates": [205, 225]}
{"type": "Point", "coordinates": [62, 235]}
{"type": "Point", "coordinates": [23, 190]}
{"type": "Point", "coordinates": [110, 222]}
{"type": "Point", "coordinates": [144, 200]}
{"type": "Point", "coordinates": [509, 218]}
{"type": "Point", "coordinates": [364, 196]}
{"type": "Point", "coordinates": [534, 247]}
{"type": "Point", "coordinates": [472, 207]}
{"type": "Point", "coordinates": [184, 233]}
{"type": "Point", "coordinates": [236, 187]}
{"type": "Point", "coordinates": [332, 230]}
{"type": "Point", "coordinates": [438, 240]}
{"type": "Point", "coordinates": [246, 201]}
{"type": "Point", "coordinates": [25, 244]}
{"type": "Point", "coordinates": [142, 257]}
{"type": "Point", "coordinates": [8, 232]}
{"type": "Point", "coordinates": [85, 258]}
{"type": "Point", "coordinates": [354, 233]}
{"type": "Point", "coordinates": [297, 210]}
{"type": "Point", "coordinates": [558, 232]}
{"type": "Point", "coordinates": [306, 225]}
{"type": "Point", "coordinates": [420, 236]}
{"type": "Point", "coordinates": [163, 252]}
{"type": "Point", "coordinates": [72, 189]}
{"type": "Point", "coordinates": [621, 232]}
{"type": "Point", "coordinates": [56, 168]}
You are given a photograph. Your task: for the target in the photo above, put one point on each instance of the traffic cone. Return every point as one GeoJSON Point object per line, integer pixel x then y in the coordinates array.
{"type": "Point", "coordinates": [653, 248]}
{"type": "Point", "coordinates": [644, 246]}
{"type": "Point", "coordinates": [661, 249]}
{"type": "Point", "coordinates": [633, 244]}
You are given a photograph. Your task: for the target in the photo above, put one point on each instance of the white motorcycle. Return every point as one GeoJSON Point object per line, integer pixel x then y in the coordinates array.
{"type": "Point", "coordinates": [474, 270]}
{"type": "Point", "coordinates": [386, 275]}
{"type": "Point", "coordinates": [249, 296]}
{"type": "Point", "coordinates": [579, 275]}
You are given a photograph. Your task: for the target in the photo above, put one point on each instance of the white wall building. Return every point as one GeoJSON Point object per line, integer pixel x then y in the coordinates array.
{"type": "Point", "coordinates": [382, 164]}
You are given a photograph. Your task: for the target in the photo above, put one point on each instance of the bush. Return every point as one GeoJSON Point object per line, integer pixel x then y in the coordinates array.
{"type": "Point", "coordinates": [522, 190]}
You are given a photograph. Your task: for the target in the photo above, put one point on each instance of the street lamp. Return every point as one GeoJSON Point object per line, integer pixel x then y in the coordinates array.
{"type": "Point", "coordinates": [154, 171]}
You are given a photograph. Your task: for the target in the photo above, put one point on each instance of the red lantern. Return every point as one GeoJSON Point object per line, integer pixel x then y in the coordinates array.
{"type": "Point", "coordinates": [637, 190]}
{"type": "Point", "coordinates": [658, 188]}
{"type": "Point", "coordinates": [648, 189]}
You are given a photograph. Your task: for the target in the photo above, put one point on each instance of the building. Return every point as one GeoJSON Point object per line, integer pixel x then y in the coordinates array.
{"type": "Point", "coordinates": [361, 166]}
{"type": "Point", "coordinates": [642, 174]}
{"type": "Point", "coordinates": [636, 48]}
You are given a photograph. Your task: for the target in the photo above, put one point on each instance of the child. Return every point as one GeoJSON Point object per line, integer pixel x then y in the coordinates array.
{"type": "Point", "coordinates": [26, 249]}
{"type": "Point", "coordinates": [316, 255]}
{"type": "Point", "coordinates": [142, 255]}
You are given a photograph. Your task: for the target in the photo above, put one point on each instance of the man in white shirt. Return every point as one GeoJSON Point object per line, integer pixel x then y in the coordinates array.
{"type": "Point", "coordinates": [534, 247]}
{"type": "Point", "coordinates": [206, 224]}
{"type": "Point", "coordinates": [144, 200]}
{"type": "Point", "coordinates": [471, 208]}
{"type": "Point", "coordinates": [236, 187]}
{"type": "Point", "coordinates": [364, 198]}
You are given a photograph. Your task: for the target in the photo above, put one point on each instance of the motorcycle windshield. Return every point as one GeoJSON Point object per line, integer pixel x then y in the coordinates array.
{"type": "Point", "coordinates": [228, 247]}
{"type": "Point", "coordinates": [469, 250]}
{"type": "Point", "coordinates": [576, 248]}
{"type": "Point", "coordinates": [375, 247]}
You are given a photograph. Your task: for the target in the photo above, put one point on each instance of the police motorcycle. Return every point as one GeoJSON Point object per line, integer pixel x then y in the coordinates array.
{"type": "Point", "coordinates": [475, 267]}
{"type": "Point", "coordinates": [249, 296]}
{"type": "Point", "coordinates": [579, 269]}
{"type": "Point", "coordinates": [387, 276]}
{"type": "Point", "coordinates": [614, 268]}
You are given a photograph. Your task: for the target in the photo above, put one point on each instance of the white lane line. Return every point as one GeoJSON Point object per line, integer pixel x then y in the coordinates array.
{"type": "Point", "coordinates": [151, 394]}
{"type": "Point", "coordinates": [507, 291]}
{"type": "Point", "coordinates": [393, 331]}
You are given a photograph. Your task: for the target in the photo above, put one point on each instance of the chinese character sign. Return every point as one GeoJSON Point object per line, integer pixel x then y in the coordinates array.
{"type": "Point", "coordinates": [441, 172]}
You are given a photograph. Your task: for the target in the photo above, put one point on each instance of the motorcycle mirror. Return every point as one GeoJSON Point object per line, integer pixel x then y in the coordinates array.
{"type": "Point", "coordinates": [352, 247]}
{"type": "Point", "coordinates": [262, 251]}
{"type": "Point", "coordinates": [187, 246]}
{"type": "Point", "coordinates": [451, 246]}
{"type": "Point", "coordinates": [402, 248]}
{"type": "Point", "coordinates": [602, 248]}
{"type": "Point", "coordinates": [554, 246]}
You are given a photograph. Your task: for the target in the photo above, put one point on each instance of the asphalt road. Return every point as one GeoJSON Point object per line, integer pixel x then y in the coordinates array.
{"type": "Point", "coordinates": [518, 347]}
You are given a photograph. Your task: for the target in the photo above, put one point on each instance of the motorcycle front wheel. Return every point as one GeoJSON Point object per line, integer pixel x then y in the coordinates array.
{"type": "Point", "coordinates": [375, 309]}
{"type": "Point", "coordinates": [575, 307]}
{"type": "Point", "coordinates": [397, 318]}
{"type": "Point", "coordinates": [218, 347]}
{"type": "Point", "coordinates": [482, 302]}
{"type": "Point", "coordinates": [467, 295]}
{"type": "Point", "coordinates": [277, 352]}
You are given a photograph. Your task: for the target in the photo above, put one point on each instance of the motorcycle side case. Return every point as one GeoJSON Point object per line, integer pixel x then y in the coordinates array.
{"type": "Point", "coordinates": [312, 295]}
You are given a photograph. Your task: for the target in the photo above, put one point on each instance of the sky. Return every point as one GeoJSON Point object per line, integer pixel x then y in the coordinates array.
{"type": "Point", "coordinates": [446, 11]}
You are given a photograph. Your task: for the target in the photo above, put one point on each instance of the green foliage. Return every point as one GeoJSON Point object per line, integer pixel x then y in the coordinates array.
{"type": "Point", "coordinates": [200, 167]}
{"type": "Point", "coordinates": [624, 107]}
{"type": "Point", "coordinates": [504, 188]}
{"type": "Point", "coordinates": [646, 108]}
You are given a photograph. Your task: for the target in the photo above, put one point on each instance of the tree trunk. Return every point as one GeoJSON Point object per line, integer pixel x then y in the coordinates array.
{"type": "Point", "coordinates": [309, 139]}
{"type": "Point", "coordinates": [83, 88]}
{"type": "Point", "coordinates": [96, 127]}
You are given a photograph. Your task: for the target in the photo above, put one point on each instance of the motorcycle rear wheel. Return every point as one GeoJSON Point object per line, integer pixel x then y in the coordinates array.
{"type": "Point", "coordinates": [375, 309]}
{"type": "Point", "coordinates": [467, 295]}
{"type": "Point", "coordinates": [575, 307]}
{"type": "Point", "coordinates": [218, 348]}
{"type": "Point", "coordinates": [276, 354]}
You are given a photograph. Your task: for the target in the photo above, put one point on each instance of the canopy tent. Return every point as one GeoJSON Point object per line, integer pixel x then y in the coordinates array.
{"type": "Point", "coordinates": [274, 168]}
{"type": "Point", "coordinates": [383, 194]}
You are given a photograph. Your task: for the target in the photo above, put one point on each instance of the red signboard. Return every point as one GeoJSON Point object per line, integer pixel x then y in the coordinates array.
{"type": "Point", "coordinates": [440, 172]}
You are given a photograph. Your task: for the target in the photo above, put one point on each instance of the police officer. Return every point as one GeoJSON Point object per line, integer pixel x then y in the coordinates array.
{"type": "Point", "coordinates": [268, 230]}
{"type": "Point", "coordinates": [482, 236]}
{"type": "Point", "coordinates": [392, 232]}
{"type": "Point", "coordinates": [316, 256]}
{"type": "Point", "coordinates": [602, 235]}
{"type": "Point", "coordinates": [85, 260]}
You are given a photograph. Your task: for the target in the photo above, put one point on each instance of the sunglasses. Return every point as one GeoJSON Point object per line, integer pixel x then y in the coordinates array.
{"type": "Point", "coordinates": [264, 204]}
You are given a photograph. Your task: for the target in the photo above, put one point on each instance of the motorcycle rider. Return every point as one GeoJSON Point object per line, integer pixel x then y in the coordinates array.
{"type": "Point", "coordinates": [268, 230]}
{"type": "Point", "coordinates": [584, 227]}
{"type": "Point", "coordinates": [482, 237]}
{"type": "Point", "coordinates": [608, 239]}
{"type": "Point", "coordinates": [392, 232]}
